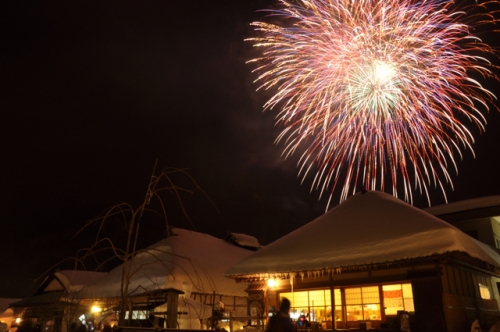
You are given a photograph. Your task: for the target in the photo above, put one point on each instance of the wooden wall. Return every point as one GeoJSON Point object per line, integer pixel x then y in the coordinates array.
{"type": "Point", "coordinates": [462, 301]}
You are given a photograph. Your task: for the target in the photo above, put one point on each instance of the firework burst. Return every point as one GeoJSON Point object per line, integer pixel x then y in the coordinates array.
{"type": "Point", "coordinates": [375, 91]}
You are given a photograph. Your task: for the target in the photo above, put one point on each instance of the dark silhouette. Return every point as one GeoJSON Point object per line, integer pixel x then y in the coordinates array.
{"type": "Point", "coordinates": [281, 322]}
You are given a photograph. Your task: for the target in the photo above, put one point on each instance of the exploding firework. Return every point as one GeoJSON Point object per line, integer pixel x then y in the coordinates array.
{"type": "Point", "coordinates": [375, 92]}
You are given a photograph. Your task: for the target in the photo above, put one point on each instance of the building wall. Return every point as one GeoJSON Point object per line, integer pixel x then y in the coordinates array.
{"type": "Point", "coordinates": [429, 316]}
{"type": "Point", "coordinates": [462, 300]}
{"type": "Point", "coordinates": [365, 278]}
{"type": "Point", "coordinates": [481, 229]}
{"type": "Point", "coordinates": [495, 226]}
{"type": "Point", "coordinates": [446, 296]}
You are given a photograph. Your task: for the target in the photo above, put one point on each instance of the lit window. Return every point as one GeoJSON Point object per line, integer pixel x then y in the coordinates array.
{"type": "Point", "coordinates": [362, 303]}
{"type": "Point", "coordinates": [137, 314]}
{"type": "Point", "coordinates": [484, 291]}
{"type": "Point", "coordinates": [315, 303]}
{"type": "Point", "coordinates": [397, 297]}
{"type": "Point", "coordinates": [338, 305]}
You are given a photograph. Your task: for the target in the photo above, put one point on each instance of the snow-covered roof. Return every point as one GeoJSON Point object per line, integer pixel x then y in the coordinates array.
{"type": "Point", "coordinates": [74, 280]}
{"type": "Point", "coordinates": [244, 240]}
{"type": "Point", "coordinates": [5, 303]}
{"type": "Point", "coordinates": [465, 205]}
{"type": "Point", "coordinates": [367, 228]}
{"type": "Point", "coordinates": [189, 257]}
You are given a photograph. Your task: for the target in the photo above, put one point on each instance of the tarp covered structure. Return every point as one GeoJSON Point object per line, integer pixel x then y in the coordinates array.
{"type": "Point", "coordinates": [368, 228]}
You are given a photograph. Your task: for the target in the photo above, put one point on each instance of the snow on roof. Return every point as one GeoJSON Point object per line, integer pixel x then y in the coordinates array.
{"type": "Point", "coordinates": [74, 280]}
{"type": "Point", "coordinates": [244, 240]}
{"type": "Point", "coordinates": [189, 257]}
{"type": "Point", "coordinates": [465, 205]}
{"type": "Point", "coordinates": [5, 303]}
{"type": "Point", "coordinates": [367, 228]}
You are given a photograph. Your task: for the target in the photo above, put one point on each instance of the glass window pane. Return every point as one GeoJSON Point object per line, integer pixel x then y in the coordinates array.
{"type": "Point", "coordinates": [354, 312]}
{"type": "Point", "coordinates": [393, 299]}
{"type": "Point", "coordinates": [300, 299]}
{"type": "Point", "coordinates": [338, 297]}
{"type": "Point", "coordinates": [408, 297]}
{"type": "Point", "coordinates": [484, 292]}
{"type": "Point", "coordinates": [317, 298]}
{"type": "Point", "coordinates": [370, 294]}
{"type": "Point", "coordinates": [407, 291]}
{"type": "Point", "coordinates": [338, 313]}
{"type": "Point", "coordinates": [387, 288]}
{"type": "Point", "coordinates": [371, 311]}
{"type": "Point", "coordinates": [297, 299]}
{"type": "Point", "coordinates": [353, 296]}
{"type": "Point", "coordinates": [409, 305]}
{"type": "Point", "coordinates": [316, 303]}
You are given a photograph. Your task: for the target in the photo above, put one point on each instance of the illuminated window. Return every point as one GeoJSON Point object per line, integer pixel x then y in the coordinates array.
{"type": "Point", "coordinates": [484, 291]}
{"type": "Point", "coordinates": [316, 303]}
{"type": "Point", "coordinates": [397, 297]}
{"type": "Point", "coordinates": [338, 305]}
{"type": "Point", "coordinates": [137, 314]}
{"type": "Point", "coordinates": [362, 303]}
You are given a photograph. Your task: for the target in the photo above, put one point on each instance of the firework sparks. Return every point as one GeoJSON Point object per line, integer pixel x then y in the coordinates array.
{"type": "Point", "coordinates": [374, 91]}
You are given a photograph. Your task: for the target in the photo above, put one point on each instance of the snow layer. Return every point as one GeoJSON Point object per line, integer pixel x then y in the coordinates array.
{"type": "Point", "coordinates": [245, 240]}
{"type": "Point", "coordinates": [465, 205]}
{"type": "Point", "coordinates": [74, 280]}
{"type": "Point", "coordinates": [189, 257]}
{"type": "Point", "coordinates": [5, 303]}
{"type": "Point", "coordinates": [371, 227]}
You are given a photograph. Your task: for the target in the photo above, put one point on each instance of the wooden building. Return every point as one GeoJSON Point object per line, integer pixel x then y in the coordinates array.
{"type": "Point", "coordinates": [477, 217]}
{"type": "Point", "coordinates": [369, 259]}
{"type": "Point", "coordinates": [194, 260]}
{"type": "Point", "coordinates": [56, 304]}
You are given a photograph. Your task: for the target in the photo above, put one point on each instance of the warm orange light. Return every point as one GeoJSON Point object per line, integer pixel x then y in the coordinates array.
{"type": "Point", "coordinates": [271, 283]}
{"type": "Point", "coordinates": [96, 309]}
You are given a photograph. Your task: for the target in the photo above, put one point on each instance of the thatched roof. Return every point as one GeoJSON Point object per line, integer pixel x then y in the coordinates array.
{"type": "Point", "coordinates": [189, 257]}
{"type": "Point", "coordinates": [371, 228]}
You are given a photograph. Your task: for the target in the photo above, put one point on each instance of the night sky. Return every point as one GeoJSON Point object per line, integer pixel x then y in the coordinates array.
{"type": "Point", "coordinates": [94, 93]}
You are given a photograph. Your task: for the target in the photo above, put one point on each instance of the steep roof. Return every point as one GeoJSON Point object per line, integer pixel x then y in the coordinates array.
{"type": "Point", "coordinates": [59, 286]}
{"type": "Point", "coordinates": [74, 280]}
{"type": "Point", "coordinates": [190, 257]}
{"type": "Point", "coordinates": [367, 228]}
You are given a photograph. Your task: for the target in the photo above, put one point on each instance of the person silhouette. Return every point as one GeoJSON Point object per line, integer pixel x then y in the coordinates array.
{"type": "Point", "coordinates": [281, 321]}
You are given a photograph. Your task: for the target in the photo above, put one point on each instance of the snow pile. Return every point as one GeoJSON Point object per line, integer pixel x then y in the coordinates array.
{"type": "Point", "coordinates": [367, 228]}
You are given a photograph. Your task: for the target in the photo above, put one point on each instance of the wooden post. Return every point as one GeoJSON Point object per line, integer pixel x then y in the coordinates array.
{"type": "Point", "coordinates": [172, 305]}
{"type": "Point", "coordinates": [213, 310]}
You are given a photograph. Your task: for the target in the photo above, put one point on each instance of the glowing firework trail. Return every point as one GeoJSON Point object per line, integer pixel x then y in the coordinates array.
{"type": "Point", "coordinates": [375, 90]}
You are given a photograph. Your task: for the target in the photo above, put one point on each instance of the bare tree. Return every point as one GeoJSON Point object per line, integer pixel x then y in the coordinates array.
{"type": "Point", "coordinates": [154, 203]}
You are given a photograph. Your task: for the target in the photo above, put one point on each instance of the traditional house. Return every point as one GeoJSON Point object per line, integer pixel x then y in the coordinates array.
{"type": "Point", "coordinates": [371, 258]}
{"type": "Point", "coordinates": [190, 264]}
{"type": "Point", "coordinates": [8, 315]}
{"type": "Point", "coordinates": [56, 304]}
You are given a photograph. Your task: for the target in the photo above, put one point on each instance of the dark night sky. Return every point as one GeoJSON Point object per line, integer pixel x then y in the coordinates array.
{"type": "Point", "coordinates": [94, 92]}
